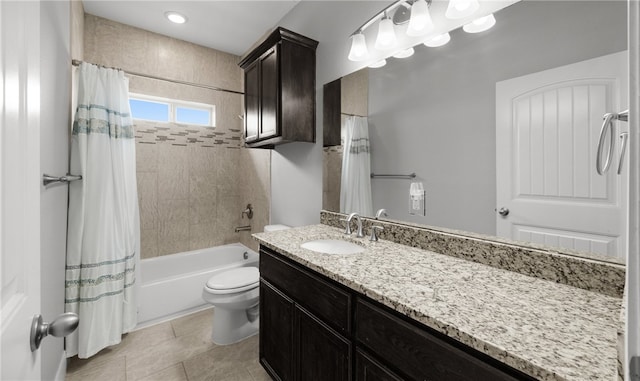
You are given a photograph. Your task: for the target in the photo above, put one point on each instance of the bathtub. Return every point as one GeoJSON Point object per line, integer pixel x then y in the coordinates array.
{"type": "Point", "coordinates": [171, 285]}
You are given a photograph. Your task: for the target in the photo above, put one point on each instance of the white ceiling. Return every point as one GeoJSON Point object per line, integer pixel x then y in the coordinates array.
{"type": "Point", "coordinates": [228, 26]}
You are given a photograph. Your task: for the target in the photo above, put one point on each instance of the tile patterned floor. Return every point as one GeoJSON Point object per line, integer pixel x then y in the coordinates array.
{"type": "Point", "coordinates": [177, 350]}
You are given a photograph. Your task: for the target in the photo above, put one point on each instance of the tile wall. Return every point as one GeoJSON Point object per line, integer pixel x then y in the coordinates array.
{"type": "Point", "coordinates": [193, 182]}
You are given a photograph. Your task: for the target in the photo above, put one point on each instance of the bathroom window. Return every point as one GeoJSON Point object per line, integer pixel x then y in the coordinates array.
{"type": "Point", "coordinates": [156, 109]}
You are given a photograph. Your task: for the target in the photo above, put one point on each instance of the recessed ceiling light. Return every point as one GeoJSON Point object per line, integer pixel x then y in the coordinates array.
{"type": "Point", "coordinates": [176, 17]}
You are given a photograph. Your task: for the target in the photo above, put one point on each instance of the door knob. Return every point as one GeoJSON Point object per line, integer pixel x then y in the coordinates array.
{"type": "Point", "coordinates": [62, 326]}
{"type": "Point", "coordinates": [503, 212]}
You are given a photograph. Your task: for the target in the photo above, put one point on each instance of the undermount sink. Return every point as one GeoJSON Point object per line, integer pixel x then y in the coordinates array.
{"type": "Point", "coordinates": [332, 246]}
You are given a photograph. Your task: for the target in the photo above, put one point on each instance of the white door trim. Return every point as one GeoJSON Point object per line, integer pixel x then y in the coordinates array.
{"type": "Point", "coordinates": [632, 302]}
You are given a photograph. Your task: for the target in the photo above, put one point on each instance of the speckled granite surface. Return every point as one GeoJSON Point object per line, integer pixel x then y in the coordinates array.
{"type": "Point", "coordinates": [548, 330]}
{"type": "Point", "coordinates": [591, 274]}
{"type": "Point", "coordinates": [621, 337]}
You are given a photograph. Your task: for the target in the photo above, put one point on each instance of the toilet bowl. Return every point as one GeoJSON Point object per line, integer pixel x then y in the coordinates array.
{"type": "Point", "coordinates": [235, 294]}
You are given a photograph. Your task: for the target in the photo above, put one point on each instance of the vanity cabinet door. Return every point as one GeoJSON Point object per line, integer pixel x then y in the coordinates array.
{"type": "Point", "coordinates": [368, 369]}
{"type": "Point", "coordinates": [322, 354]}
{"type": "Point", "coordinates": [276, 332]}
{"type": "Point", "coordinates": [326, 301]}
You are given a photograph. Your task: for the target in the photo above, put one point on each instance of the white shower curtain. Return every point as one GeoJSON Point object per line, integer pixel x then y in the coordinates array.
{"type": "Point", "coordinates": [355, 189]}
{"type": "Point", "coordinates": [103, 228]}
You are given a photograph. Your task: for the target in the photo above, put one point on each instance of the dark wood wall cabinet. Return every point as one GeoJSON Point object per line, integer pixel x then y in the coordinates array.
{"type": "Point", "coordinates": [313, 328]}
{"type": "Point", "coordinates": [279, 90]}
{"type": "Point", "coordinates": [331, 117]}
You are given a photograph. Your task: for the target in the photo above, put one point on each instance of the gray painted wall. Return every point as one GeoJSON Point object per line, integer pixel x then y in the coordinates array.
{"type": "Point", "coordinates": [434, 113]}
{"type": "Point", "coordinates": [296, 168]}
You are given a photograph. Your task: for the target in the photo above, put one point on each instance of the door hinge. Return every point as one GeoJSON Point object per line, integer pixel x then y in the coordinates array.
{"type": "Point", "coordinates": [634, 368]}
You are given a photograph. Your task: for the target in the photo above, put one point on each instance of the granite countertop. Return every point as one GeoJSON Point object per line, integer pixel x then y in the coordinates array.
{"type": "Point", "coordinates": [548, 330]}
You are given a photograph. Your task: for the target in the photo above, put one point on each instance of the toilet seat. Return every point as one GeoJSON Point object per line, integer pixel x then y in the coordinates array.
{"type": "Point", "coordinates": [234, 280]}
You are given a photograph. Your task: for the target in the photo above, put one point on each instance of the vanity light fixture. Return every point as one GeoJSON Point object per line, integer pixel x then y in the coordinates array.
{"type": "Point", "coordinates": [175, 17]}
{"type": "Point", "coordinates": [458, 9]}
{"type": "Point", "coordinates": [439, 40]}
{"type": "Point", "coordinates": [420, 22]}
{"type": "Point", "coordinates": [359, 51]}
{"type": "Point", "coordinates": [404, 53]}
{"type": "Point", "coordinates": [386, 34]}
{"type": "Point", "coordinates": [480, 24]}
{"type": "Point", "coordinates": [378, 64]}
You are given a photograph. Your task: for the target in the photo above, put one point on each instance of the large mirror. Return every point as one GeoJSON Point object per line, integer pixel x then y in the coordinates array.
{"type": "Point", "coordinates": [506, 120]}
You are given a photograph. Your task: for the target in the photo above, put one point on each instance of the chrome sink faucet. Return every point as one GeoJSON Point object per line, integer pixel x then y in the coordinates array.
{"type": "Point", "coordinates": [347, 230]}
{"type": "Point", "coordinates": [381, 213]}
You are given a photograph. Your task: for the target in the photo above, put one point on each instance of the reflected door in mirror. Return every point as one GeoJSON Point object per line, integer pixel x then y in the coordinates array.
{"type": "Point", "coordinates": [547, 132]}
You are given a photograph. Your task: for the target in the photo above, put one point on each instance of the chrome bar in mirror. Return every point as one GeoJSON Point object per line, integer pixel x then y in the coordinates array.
{"type": "Point", "coordinates": [393, 176]}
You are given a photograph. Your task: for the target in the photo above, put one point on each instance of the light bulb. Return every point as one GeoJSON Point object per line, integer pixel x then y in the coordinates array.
{"type": "Point", "coordinates": [386, 35]}
{"type": "Point", "coordinates": [480, 24]}
{"type": "Point", "coordinates": [359, 49]}
{"type": "Point", "coordinates": [439, 40]}
{"type": "Point", "coordinates": [404, 53]}
{"type": "Point", "coordinates": [175, 17]}
{"type": "Point", "coordinates": [378, 64]}
{"type": "Point", "coordinates": [458, 9]}
{"type": "Point", "coordinates": [420, 22]}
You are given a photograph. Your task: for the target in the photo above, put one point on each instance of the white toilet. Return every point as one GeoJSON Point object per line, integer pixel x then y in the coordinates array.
{"type": "Point", "coordinates": [235, 293]}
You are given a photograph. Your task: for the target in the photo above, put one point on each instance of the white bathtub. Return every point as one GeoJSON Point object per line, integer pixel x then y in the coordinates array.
{"type": "Point", "coordinates": [171, 285]}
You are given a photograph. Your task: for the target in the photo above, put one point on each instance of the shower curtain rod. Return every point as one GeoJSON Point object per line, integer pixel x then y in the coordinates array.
{"type": "Point", "coordinates": [78, 62]}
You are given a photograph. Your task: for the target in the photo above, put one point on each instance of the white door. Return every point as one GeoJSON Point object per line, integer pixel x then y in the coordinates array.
{"type": "Point", "coordinates": [19, 187]}
{"type": "Point", "coordinates": [547, 128]}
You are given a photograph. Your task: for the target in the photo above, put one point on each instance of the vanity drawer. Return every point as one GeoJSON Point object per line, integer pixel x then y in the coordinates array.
{"type": "Point", "coordinates": [419, 354]}
{"type": "Point", "coordinates": [324, 299]}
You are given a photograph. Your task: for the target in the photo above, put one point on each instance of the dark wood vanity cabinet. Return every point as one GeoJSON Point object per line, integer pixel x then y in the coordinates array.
{"type": "Point", "coordinates": [304, 323]}
{"type": "Point", "coordinates": [279, 86]}
{"type": "Point", "coordinates": [312, 328]}
{"type": "Point", "coordinates": [276, 327]}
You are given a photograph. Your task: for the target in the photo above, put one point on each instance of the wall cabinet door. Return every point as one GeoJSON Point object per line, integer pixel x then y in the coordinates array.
{"type": "Point", "coordinates": [323, 355]}
{"type": "Point", "coordinates": [270, 96]}
{"type": "Point", "coordinates": [276, 332]}
{"type": "Point", "coordinates": [252, 102]}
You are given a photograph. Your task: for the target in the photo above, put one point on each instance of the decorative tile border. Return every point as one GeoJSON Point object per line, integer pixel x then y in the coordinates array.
{"type": "Point", "coordinates": [186, 135]}
{"type": "Point", "coordinates": [588, 274]}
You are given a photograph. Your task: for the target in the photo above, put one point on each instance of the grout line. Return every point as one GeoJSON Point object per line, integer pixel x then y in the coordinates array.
{"type": "Point", "coordinates": [173, 329]}
{"type": "Point", "coordinates": [184, 369]}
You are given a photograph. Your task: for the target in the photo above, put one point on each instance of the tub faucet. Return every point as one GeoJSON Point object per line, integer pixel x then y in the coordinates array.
{"type": "Point", "coordinates": [248, 211]}
{"type": "Point", "coordinates": [359, 234]}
